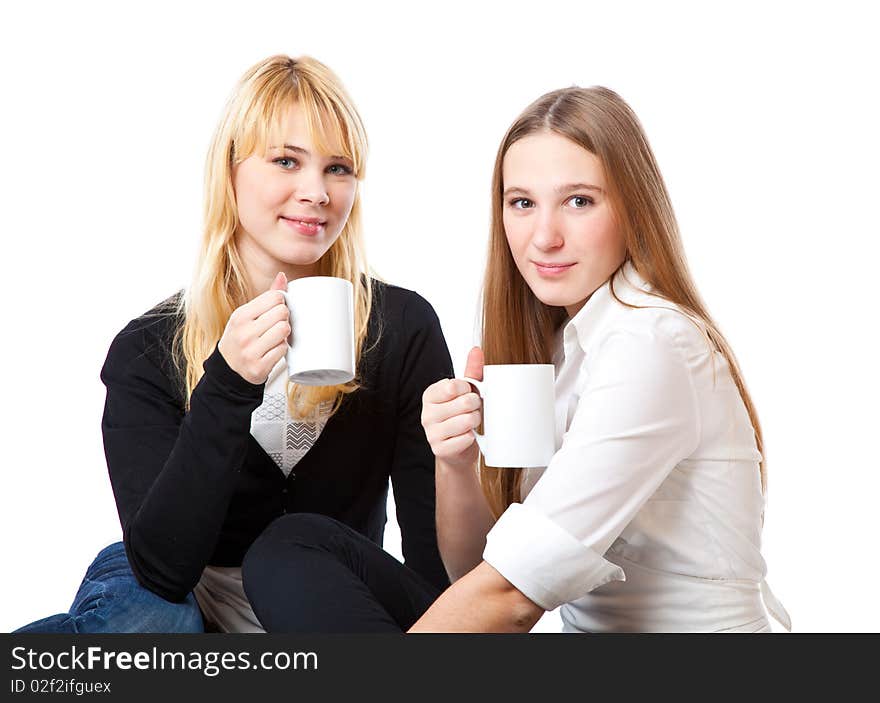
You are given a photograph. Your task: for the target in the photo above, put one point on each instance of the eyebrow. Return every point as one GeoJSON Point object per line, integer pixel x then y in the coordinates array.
{"type": "Point", "coordinates": [306, 152]}
{"type": "Point", "coordinates": [567, 187]}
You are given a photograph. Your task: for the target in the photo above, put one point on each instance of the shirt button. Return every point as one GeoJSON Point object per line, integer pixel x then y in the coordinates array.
{"type": "Point", "coordinates": [284, 491]}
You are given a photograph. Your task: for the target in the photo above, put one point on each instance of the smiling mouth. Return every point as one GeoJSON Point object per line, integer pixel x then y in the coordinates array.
{"type": "Point", "coordinates": [552, 269]}
{"type": "Point", "coordinates": [308, 226]}
{"type": "Point", "coordinates": [305, 220]}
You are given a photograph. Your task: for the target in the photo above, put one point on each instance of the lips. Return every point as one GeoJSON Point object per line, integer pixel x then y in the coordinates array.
{"type": "Point", "coordinates": [308, 226]}
{"type": "Point", "coordinates": [546, 268]}
{"type": "Point", "coordinates": [306, 220]}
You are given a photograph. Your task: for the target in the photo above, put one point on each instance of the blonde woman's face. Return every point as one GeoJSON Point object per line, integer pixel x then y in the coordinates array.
{"type": "Point", "coordinates": [292, 203]}
{"type": "Point", "coordinates": [558, 220]}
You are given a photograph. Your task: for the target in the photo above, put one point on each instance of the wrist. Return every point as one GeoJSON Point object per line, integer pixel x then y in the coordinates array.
{"type": "Point", "coordinates": [463, 469]}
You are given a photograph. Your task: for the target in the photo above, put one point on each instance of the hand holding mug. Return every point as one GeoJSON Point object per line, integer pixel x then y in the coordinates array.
{"type": "Point", "coordinates": [255, 337]}
{"type": "Point", "coordinates": [450, 412]}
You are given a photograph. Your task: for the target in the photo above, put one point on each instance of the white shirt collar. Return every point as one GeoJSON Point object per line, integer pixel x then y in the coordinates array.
{"type": "Point", "coordinates": [589, 319]}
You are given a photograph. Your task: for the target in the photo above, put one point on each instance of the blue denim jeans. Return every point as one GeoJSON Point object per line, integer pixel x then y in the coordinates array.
{"type": "Point", "coordinates": [111, 600]}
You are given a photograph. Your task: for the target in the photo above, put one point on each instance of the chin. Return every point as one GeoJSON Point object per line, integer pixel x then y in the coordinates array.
{"type": "Point", "coordinates": [553, 298]}
{"type": "Point", "coordinates": [302, 256]}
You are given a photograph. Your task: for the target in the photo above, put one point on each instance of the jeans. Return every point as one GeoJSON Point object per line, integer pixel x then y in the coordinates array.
{"type": "Point", "coordinates": [311, 573]}
{"type": "Point", "coordinates": [110, 599]}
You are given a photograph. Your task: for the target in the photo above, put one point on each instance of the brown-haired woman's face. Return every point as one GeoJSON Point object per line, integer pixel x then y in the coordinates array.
{"type": "Point", "coordinates": [558, 220]}
{"type": "Point", "coordinates": [292, 201]}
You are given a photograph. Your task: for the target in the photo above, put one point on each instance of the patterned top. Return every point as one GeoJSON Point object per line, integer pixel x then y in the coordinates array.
{"type": "Point", "coordinates": [284, 439]}
{"type": "Point", "coordinates": [220, 592]}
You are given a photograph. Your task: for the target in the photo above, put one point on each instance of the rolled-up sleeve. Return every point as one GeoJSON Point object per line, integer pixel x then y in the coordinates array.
{"type": "Point", "coordinates": [546, 563]}
{"type": "Point", "coordinates": [636, 419]}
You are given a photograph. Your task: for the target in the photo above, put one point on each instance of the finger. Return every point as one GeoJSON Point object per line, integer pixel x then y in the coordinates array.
{"type": "Point", "coordinates": [453, 427]}
{"type": "Point", "coordinates": [280, 282]}
{"type": "Point", "coordinates": [445, 390]}
{"type": "Point", "coordinates": [434, 413]}
{"type": "Point", "coordinates": [273, 356]}
{"type": "Point", "coordinates": [475, 362]}
{"type": "Point", "coordinates": [265, 301]}
{"type": "Point", "coordinates": [276, 313]}
{"type": "Point", "coordinates": [267, 319]}
{"type": "Point", "coordinates": [453, 445]}
{"type": "Point", "coordinates": [271, 338]}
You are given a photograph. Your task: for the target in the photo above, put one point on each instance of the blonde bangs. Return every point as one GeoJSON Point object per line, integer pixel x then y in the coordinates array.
{"type": "Point", "coordinates": [333, 124]}
{"type": "Point", "coordinates": [332, 130]}
{"type": "Point", "coordinates": [254, 120]}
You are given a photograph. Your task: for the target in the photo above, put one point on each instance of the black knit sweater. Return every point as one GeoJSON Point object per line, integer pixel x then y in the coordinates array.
{"type": "Point", "coordinates": [195, 488]}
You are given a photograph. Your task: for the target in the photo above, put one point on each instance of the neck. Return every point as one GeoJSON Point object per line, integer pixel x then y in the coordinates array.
{"type": "Point", "coordinates": [260, 269]}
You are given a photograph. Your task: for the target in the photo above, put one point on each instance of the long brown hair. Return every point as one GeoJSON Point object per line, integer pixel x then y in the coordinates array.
{"type": "Point", "coordinates": [517, 328]}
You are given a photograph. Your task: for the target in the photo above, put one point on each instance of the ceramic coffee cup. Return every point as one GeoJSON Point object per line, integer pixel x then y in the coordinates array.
{"type": "Point", "coordinates": [322, 330]}
{"type": "Point", "coordinates": [518, 415]}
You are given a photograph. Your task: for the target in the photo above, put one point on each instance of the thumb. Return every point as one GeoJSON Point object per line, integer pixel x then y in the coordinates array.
{"type": "Point", "coordinates": [474, 366]}
{"type": "Point", "coordinates": [280, 282]}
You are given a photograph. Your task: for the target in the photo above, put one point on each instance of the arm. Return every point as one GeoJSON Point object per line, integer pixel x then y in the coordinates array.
{"type": "Point", "coordinates": [637, 419]}
{"type": "Point", "coordinates": [450, 411]}
{"type": "Point", "coordinates": [424, 359]}
{"type": "Point", "coordinates": [502, 607]}
{"type": "Point", "coordinates": [172, 474]}
{"type": "Point", "coordinates": [463, 518]}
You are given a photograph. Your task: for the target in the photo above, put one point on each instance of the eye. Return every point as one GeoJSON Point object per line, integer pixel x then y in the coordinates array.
{"type": "Point", "coordinates": [340, 170]}
{"type": "Point", "coordinates": [521, 203]}
{"type": "Point", "coordinates": [285, 162]}
{"type": "Point", "coordinates": [580, 201]}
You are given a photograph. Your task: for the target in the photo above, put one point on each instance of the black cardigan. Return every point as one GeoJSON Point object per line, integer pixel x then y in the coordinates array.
{"type": "Point", "coordinates": [195, 488]}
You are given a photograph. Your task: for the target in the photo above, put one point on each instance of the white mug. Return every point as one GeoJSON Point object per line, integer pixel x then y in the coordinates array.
{"type": "Point", "coordinates": [519, 418]}
{"type": "Point", "coordinates": [321, 340]}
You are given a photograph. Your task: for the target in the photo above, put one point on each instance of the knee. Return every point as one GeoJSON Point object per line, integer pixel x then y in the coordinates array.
{"type": "Point", "coordinates": [137, 609]}
{"type": "Point", "coordinates": [111, 562]}
{"type": "Point", "coordinates": [111, 600]}
{"type": "Point", "coordinates": [287, 536]}
{"type": "Point", "coordinates": [306, 529]}
{"type": "Point", "coordinates": [184, 617]}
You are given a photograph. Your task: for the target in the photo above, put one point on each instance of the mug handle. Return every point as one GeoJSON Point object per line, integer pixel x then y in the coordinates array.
{"type": "Point", "coordinates": [287, 298]}
{"type": "Point", "coordinates": [481, 438]}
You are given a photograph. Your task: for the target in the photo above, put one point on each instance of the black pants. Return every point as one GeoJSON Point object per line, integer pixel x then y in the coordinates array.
{"type": "Point", "coordinates": [311, 573]}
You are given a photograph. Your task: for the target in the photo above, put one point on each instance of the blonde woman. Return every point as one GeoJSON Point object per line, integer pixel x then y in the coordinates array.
{"type": "Point", "coordinates": [206, 440]}
{"type": "Point", "coordinates": [648, 517]}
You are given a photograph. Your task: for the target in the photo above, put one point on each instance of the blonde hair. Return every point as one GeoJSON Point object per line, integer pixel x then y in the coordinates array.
{"type": "Point", "coordinates": [517, 328]}
{"type": "Point", "coordinates": [254, 113]}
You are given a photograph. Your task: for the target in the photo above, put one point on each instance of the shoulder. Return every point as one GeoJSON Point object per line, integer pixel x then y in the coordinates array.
{"type": "Point", "coordinates": [149, 335]}
{"type": "Point", "coordinates": [410, 333]}
{"type": "Point", "coordinates": [650, 321]}
{"type": "Point", "coordinates": [402, 307]}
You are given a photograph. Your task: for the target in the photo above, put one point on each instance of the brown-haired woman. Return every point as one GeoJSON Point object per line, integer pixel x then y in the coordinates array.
{"type": "Point", "coordinates": [648, 517]}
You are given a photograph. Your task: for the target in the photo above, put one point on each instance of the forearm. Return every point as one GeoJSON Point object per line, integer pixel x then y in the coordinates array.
{"type": "Point", "coordinates": [174, 532]}
{"type": "Point", "coordinates": [481, 601]}
{"type": "Point", "coordinates": [463, 518]}
{"type": "Point", "coordinates": [173, 479]}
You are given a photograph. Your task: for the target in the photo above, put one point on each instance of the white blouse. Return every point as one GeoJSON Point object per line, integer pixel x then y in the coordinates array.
{"type": "Point", "coordinates": [648, 517]}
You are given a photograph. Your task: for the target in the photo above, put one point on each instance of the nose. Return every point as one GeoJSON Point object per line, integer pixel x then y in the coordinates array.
{"type": "Point", "coordinates": [311, 188]}
{"type": "Point", "coordinates": [547, 236]}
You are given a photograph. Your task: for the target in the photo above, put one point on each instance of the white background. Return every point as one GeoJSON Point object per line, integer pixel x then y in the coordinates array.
{"type": "Point", "coordinates": [763, 118]}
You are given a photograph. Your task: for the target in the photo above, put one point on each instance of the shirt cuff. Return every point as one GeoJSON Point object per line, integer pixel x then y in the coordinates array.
{"type": "Point", "coordinates": [544, 561]}
{"type": "Point", "coordinates": [216, 367]}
